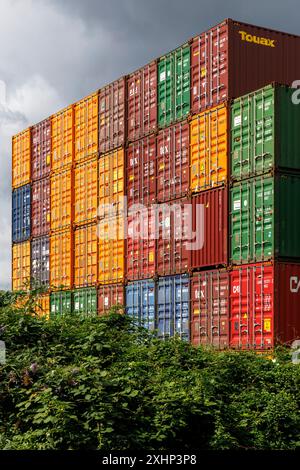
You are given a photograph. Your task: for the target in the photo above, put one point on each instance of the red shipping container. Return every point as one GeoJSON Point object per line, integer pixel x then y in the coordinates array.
{"type": "Point", "coordinates": [142, 102]}
{"type": "Point", "coordinates": [173, 224]}
{"type": "Point", "coordinates": [141, 245]}
{"type": "Point", "coordinates": [141, 171]}
{"type": "Point", "coordinates": [41, 150]}
{"type": "Point", "coordinates": [210, 309]}
{"type": "Point", "coordinates": [112, 116]}
{"type": "Point", "coordinates": [40, 208]}
{"type": "Point", "coordinates": [210, 222]}
{"type": "Point", "coordinates": [264, 305]}
{"type": "Point", "coordinates": [173, 162]}
{"type": "Point", "coordinates": [233, 59]}
{"type": "Point", "coordinates": [109, 296]}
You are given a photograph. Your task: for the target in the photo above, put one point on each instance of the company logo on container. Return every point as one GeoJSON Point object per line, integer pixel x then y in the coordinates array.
{"type": "Point", "coordinates": [256, 39]}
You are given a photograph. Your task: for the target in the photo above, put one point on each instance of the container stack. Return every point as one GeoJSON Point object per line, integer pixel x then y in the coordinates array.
{"type": "Point", "coordinates": [173, 192]}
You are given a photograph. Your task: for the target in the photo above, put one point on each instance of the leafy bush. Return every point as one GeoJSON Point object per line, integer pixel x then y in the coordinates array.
{"type": "Point", "coordinates": [102, 383]}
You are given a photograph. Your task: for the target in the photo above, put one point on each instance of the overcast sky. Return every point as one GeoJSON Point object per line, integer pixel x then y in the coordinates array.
{"type": "Point", "coordinates": [54, 52]}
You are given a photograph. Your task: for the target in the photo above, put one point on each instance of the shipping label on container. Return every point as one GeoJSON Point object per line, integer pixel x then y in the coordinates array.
{"type": "Point", "coordinates": [141, 172]}
{"type": "Point", "coordinates": [61, 260]}
{"type": "Point", "coordinates": [140, 303]}
{"type": "Point", "coordinates": [86, 128]}
{"type": "Point", "coordinates": [40, 262]}
{"type": "Point", "coordinates": [111, 246]}
{"type": "Point", "coordinates": [40, 207]}
{"type": "Point", "coordinates": [41, 150]}
{"type": "Point", "coordinates": [86, 192]}
{"type": "Point", "coordinates": [21, 213]}
{"type": "Point", "coordinates": [61, 200]}
{"type": "Point", "coordinates": [86, 256]}
{"type": "Point", "coordinates": [174, 86]}
{"type": "Point", "coordinates": [209, 149]}
{"type": "Point", "coordinates": [112, 116]}
{"type": "Point", "coordinates": [173, 162]}
{"type": "Point", "coordinates": [21, 150]}
{"type": "Point", "coordinates": [142, 102]}
{"type": "Point", "coordinates": [62, 141]}
{"type": "Point", "coordinates": [210, 309]}
{"type": "Point", "coordinates": [21, 266]}
{"type": "Point", "coordinates": [111, 298]}
{"type": "Point", "coordinates": [111, 184]}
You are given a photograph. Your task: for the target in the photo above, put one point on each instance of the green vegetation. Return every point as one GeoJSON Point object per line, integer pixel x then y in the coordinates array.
{"type": "Point", "coordinates": [101, 383]}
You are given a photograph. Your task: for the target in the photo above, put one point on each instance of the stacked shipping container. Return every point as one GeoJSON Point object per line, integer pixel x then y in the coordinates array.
{"type": "Point", "coordinates": [201, 248]}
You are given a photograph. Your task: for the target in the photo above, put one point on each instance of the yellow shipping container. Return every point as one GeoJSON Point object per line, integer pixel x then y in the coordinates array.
{"type": "Point", "coordinates": [111, 183]}
{"type": "Point", "coordinates": [21, 266]}
{"type": "Point", "coordinates": [21, 159]}
{"type": "Point", "coordinates": [61, 200]}
{"type": "Point", "coordinates": [61, 260]}
{"type": "Point", "coordinates": [86, 256]}
{"type": "Point", "coordinates": [42, 305]}
{"type": "Point", "coordinates": [111, 245]}
{"type": "Point", "coordinates": [86, 128]}
{"type": "Point", "coordinates": [86, 192]}
{"type": "Point", "coordinates": [209, 149]}
{"type": "Point", "coordinates": [62, 138]}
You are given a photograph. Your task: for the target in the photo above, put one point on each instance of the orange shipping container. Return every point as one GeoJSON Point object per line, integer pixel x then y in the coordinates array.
{"type": "Point", "coordinates": [21, 159]}
{"type": "Point", "coordinates": [62, 138]}
{"type": "Point", "coordinates": [111, 183]}
{"type": "Point", "coordinates": [86, 256]}
{"type": "Point", "coordinates": [42, 305]}
{"type": "Point", "coordinates": [61, 262]}
{"type": "Point", "coordinates": [86, 192]}
{"type": "Point", "coordinates": [86, 128]}
{"type": "Point", "coordinates": [61, 200]}
{"type": "Point", "coordinates": [111, 245]}
{"type": "Point", "coordinates": [21, 266]}
{"type": "Point", "coordinates": [209, 149]}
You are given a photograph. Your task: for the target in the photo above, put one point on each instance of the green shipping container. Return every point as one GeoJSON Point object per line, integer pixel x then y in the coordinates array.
{"type": "Point", "coordinates": [264, 219]}
{"type": "Point", "coordinates": [61, 303]}
{"type": "Point", "coordinates": [85, 301]}
{"type": "Point", "coordinates": [174, 86]}
{"type": "Point", "coordinates": [265, 132]}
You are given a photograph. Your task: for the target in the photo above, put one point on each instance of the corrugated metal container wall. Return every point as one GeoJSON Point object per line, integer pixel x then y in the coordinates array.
{"type": "Point", "coordinates": [86, 192]}
{"type": "Point", "coordinates": [86, 255]}
{"type": "Point", "coordinates": [209, 149]}
{"type": "Point", "coordinates": [261, 56]}
{"type": "Point", "coordinates": [111, 184]}
{"type": "Point", "coordinates": [61, 260]}
{"type": "Point", "coordinates": [42, 306]}
{"type": "Point", "coordinates": [21, 266]}
{"type": "Point", "coordinates": [210, 223]}
{"type": "Point", "coordinates": [174, 224]}
{"type": "Point", "coordinates": [86, 128]}
{"type": "Point", "coordinates": [21, 206]}
{"type": "Point", "coordinates": [111, 255]}
{"type": "Point", "coordinates": [142, 102]}
{"type": "Point", "coordinates": [140, 303]}
{"type": "Point", "coordinates": [174, 86]}
{"type": "Point", "coordinates": [40, 262]}
{"type": "Point", "coordinates": [85, 301]}
{"type": "Point", "coordinates": [141, 171]}
{"type": "Point", "coordinates": [41, 150]}
{"type": "Point", "coordinates": [61, 303]}
{"type": "Point", "coordinates": [173, 162]}
{"type": "Point", "coordinates": [210, 309]}
{"type": "Point", "coordinates": [264, 219]}
{"type": "Point", "coordinates": [173, 306]}
{"type": "Point", "coordinates": [141, 245]}
{"type": "Point", "coordinates": [61, 200]}
{"type": "Point", "coordinates": [112, 104]}
{"type": "Point", "coordinates": [110, 297]}
{"type": "Point", "coordinates": [62, 142]}
{"type": "Point", "coordinates": [265, 132]}
{"type": "Point", "coordinates": [21, 149]}
{"type": "Point", "coordinates": [40, 208]}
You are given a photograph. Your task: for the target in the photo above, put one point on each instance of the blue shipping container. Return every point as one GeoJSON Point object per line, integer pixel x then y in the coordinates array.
{"type": "Point", "coordinates": [21, 204]}
{"type": "Point", "coordinates": [173, 306]}
{"type": "Point", "coordinates": [140, 303]}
